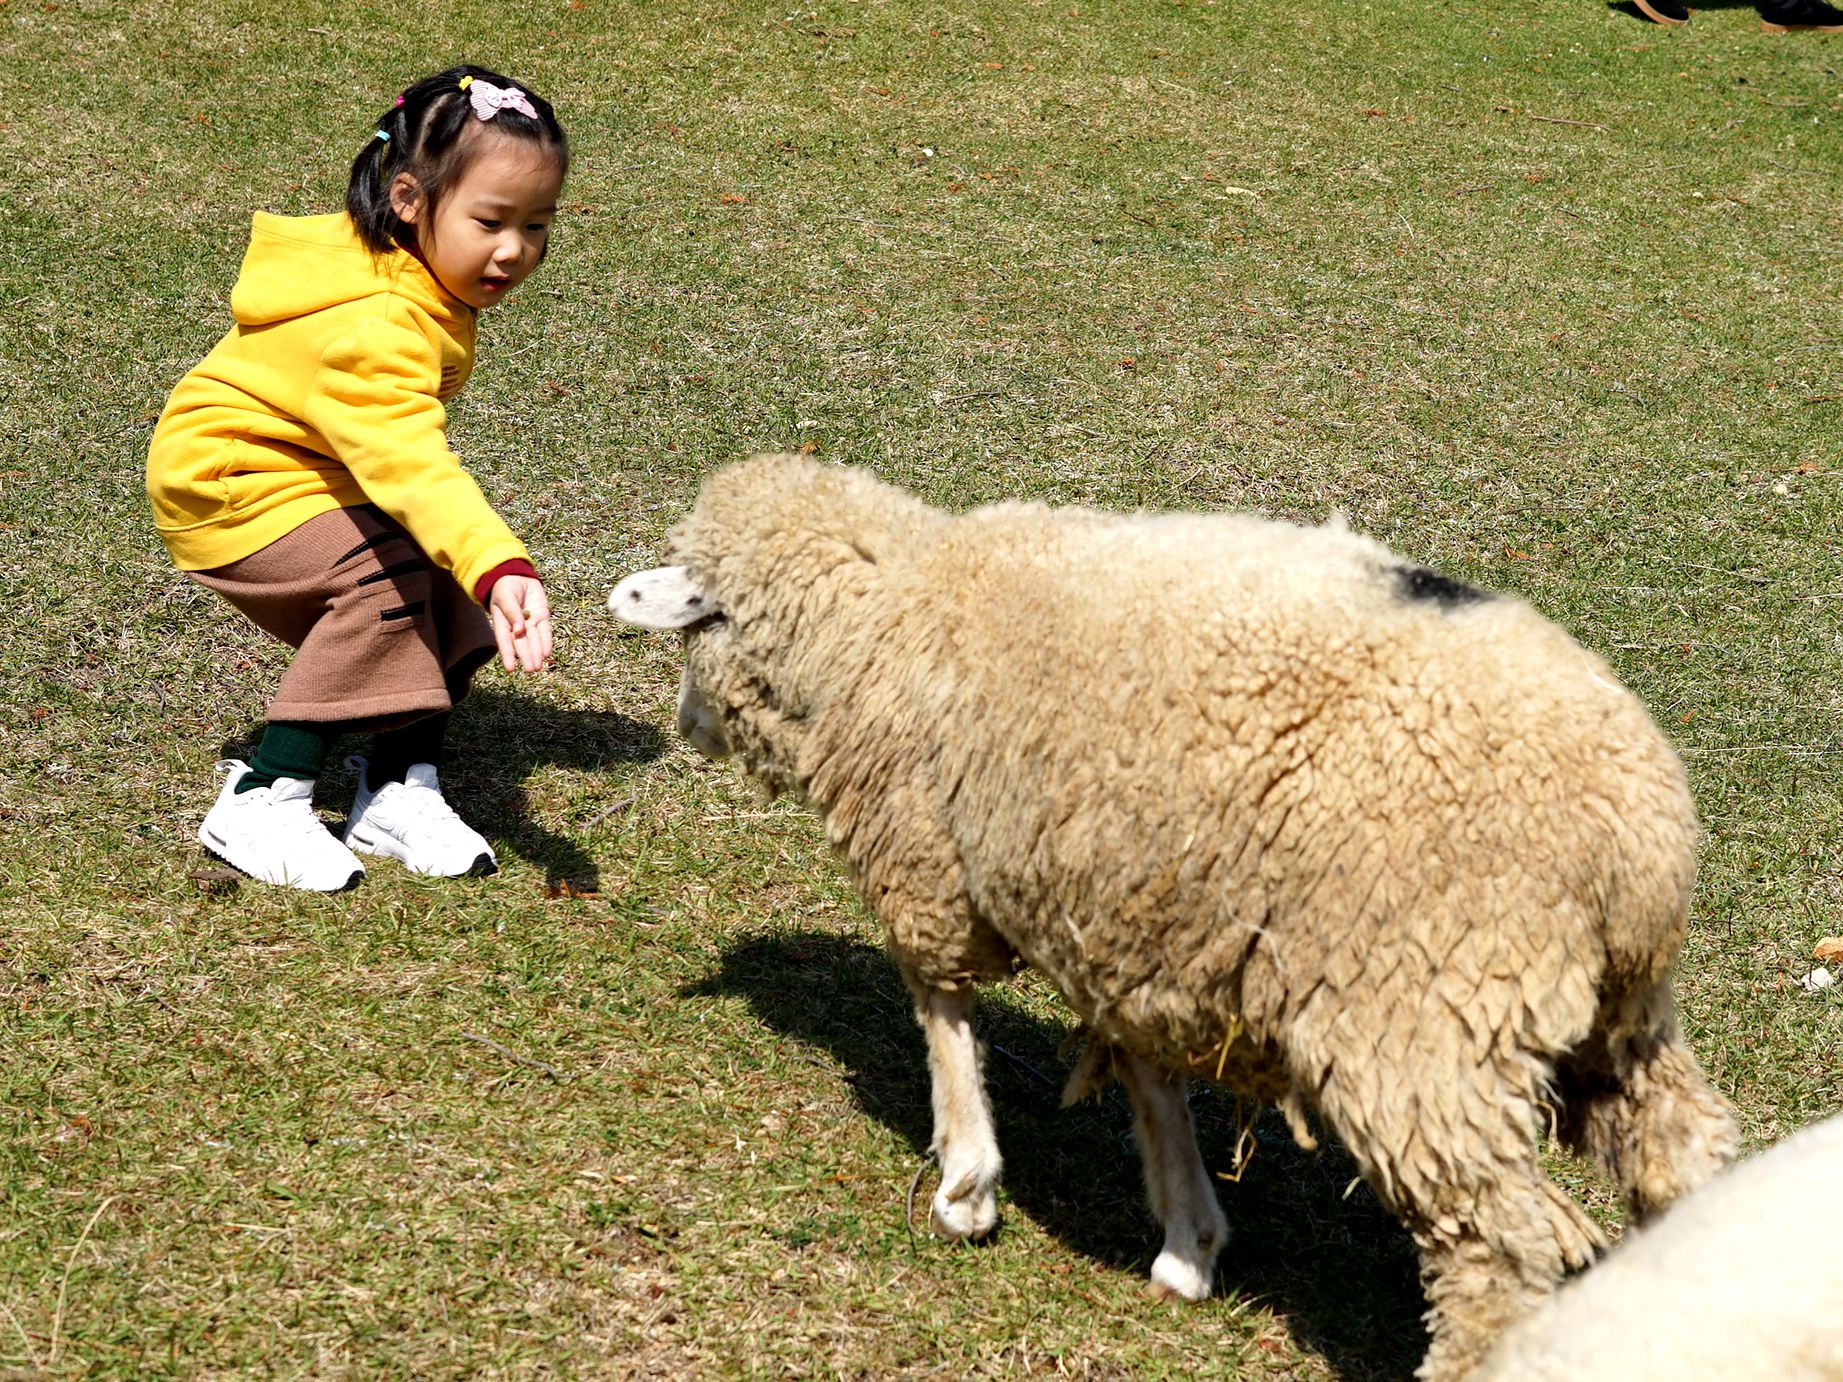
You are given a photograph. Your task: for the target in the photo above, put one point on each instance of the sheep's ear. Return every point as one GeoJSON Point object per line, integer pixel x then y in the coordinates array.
{"type": "Point", "coordinates": [663, 598]}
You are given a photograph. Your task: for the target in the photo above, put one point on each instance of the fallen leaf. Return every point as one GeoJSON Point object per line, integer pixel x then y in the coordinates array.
{"type": "Point", "coordinates": [563, 888]}
{"type": "Point", "coordinates": [1829, 950]}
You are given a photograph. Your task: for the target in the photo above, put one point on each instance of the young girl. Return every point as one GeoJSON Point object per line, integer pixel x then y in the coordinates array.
{"type": "Point", "coordinates": [302, 471]}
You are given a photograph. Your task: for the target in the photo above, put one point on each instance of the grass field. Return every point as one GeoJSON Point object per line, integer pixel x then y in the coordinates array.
{"type": "Point", "coordinates": [1540, 295]}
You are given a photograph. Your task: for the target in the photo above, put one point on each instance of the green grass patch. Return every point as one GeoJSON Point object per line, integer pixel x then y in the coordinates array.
{"type": "Point", "coordinates": [1543, 297]}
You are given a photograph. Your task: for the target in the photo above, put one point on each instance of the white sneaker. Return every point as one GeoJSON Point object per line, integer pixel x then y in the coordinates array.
{"type": "Point", "coordinates": [410, 820]}
{"type": "Point", "coordinates": [272, 833]}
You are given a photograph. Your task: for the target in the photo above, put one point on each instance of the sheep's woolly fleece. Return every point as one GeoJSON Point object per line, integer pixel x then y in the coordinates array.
{"type": "Point", "coordinates": [1740, 1282]}
{"type": "Point", "coordinates": [1267, 804]}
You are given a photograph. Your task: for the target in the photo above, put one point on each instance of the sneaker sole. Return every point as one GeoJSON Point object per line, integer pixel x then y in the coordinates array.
{"type": "Point", "coordinates": [219, 849]}
{"type": "Point", "coordinates": [385, 848]}
{"type": "Point", "coordinates": [1767, 26]}
{"type": "Point", "coordinates": [1658, 16]}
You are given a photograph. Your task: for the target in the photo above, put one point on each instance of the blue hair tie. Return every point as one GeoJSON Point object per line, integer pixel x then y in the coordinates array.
{"type": "Point", "coordinates": [382, 135]}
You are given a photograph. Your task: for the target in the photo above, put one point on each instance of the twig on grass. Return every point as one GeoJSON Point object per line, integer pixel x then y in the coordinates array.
{"type": "Point", "coordinates": [24, 1338]}
{"type": "Point", "coordinates": [57, 1317]}
{"type": "Point", "coordinates": [1724, 750]}
{"type": "Point", "coordinates": [1560, 120]}
{"type": "Point", "coordinates": [516, 1058]}
{"type": "Point", "coordinates": [908, 1207]}
{"type": "Point", "coordinates": [1805, 172]}
{"type": "Point", "coordinates": [1023, 1064]}
{"type": "Point", "coordinates": [1724, 571]}
{"type": "Point", "coordinates": [863, 221]}
{"type": "Point", "coordinates": [608, 811]}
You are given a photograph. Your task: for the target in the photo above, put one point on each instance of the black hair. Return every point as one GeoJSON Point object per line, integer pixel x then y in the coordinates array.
{"type": "Point", "coordinates": [425, 135]}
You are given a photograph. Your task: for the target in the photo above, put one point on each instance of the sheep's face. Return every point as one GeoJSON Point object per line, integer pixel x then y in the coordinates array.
{"type": "Point", "coordinates": [698, 720]}
{"type": "Point", "coordinates": [668, 598]}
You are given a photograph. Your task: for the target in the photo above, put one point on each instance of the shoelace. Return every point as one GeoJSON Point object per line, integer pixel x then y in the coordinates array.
{"type": "Point", "coordinates": [302, 807]}
{"type": "Point", "coordinates": [294, 813]}
{"type": "Point", "coordinates": [427, 806]}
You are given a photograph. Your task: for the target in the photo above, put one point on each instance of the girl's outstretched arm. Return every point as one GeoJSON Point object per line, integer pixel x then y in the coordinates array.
{"type": "Point", "coordinates": [520, 612]}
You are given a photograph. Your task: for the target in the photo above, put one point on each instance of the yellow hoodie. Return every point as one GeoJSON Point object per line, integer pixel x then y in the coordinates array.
{"type": "Point", "coordinates": [328, 392]}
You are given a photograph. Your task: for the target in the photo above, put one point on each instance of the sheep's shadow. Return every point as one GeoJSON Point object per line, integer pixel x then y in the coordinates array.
{"type": "Point", "coordinates": [1301, 1240]}
{"type": "Point", "coordinates": [495, 742]}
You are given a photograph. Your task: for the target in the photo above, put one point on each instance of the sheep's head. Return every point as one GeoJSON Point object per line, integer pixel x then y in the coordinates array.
{"type": "Point", "coordinates": [666, 598]}
{"type": "Point", "coordinates": [741, 691]}
{"type": "Point", "coordinates": [777, 582]}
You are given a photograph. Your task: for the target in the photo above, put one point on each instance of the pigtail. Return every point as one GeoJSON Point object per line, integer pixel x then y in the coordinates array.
{"type": "Point", "coordinates": [368, 189]}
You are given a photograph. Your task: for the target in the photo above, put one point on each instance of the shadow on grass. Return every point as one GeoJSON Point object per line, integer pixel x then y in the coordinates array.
{"type": "Point", "coordinates": [1336, 1265]}
{"type": "Point", "coordinates": [495, 742]}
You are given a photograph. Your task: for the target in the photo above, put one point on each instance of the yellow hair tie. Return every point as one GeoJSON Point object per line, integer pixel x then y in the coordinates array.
{"type": "Point", "coordinates": [466, 82]}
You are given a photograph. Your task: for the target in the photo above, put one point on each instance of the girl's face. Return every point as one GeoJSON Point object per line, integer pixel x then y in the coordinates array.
{"type": "Point", "coordinates": [490, 230]}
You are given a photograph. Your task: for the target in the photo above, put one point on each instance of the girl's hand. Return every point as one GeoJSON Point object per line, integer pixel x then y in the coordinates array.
{"type": "Point", "coordinates": [521, 622]}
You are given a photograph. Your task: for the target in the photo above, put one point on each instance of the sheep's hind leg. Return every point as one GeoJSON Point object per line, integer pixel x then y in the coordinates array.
{"type": "Point", "coordinates": [1490, 1257]}
{"type": "Point", "coordinates": [1441, 1118]}
{"type": "Point", "coordinates": [1634, 1099]}
{"type": "Point", "coordinates": [966, 1205]}
{"type": "Point", "coordinates": [1176, 1183]}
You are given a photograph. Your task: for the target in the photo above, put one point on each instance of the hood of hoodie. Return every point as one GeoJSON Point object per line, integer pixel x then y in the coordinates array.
{"type": "Point", "coordinates": [301, 264]}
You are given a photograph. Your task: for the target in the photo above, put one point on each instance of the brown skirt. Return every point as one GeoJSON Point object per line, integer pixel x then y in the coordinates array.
{"type": "Point", "coordinates": [382, 636]}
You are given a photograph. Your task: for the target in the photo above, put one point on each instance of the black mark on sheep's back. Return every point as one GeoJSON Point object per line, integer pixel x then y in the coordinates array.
{"type": "Point", "coordinates": [1418, 583]}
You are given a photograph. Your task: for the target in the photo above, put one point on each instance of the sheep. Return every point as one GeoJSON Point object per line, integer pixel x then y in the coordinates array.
{"type": "Point", "coordinates": [1269, 805]}
{"type": "Point", "coordinates": [1740, 1282]}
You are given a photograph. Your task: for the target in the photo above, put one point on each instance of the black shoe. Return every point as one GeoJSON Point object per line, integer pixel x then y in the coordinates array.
{"type": "Point", "coordinates": [1663, 11]}
{"type": "Point", "coordinates": [1803, 16]}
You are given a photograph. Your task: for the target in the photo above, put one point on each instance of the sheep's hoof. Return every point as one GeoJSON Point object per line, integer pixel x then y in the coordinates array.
{"type": "Point", "coordinates": [971, 1220]}
{"type": "Point", "coordinates": [1175, 1279]}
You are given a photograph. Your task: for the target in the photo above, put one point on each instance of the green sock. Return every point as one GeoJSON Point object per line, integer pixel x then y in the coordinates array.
{"type": "Point", "coordinates": [288, 749]}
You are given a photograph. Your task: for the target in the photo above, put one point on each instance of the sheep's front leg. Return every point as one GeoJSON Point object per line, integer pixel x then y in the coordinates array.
{"type": "Point", "coordinates": [1176, 1183]}
{"type": "Point", "coordinates": [966, 1205]}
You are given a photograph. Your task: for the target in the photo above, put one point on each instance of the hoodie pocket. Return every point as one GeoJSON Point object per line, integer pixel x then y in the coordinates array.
{"type": "Point", "coordinates": [185, 481]}
{"type": "Point", "coordinates": [254, 475]}
{"type": "Point", "coordinates": [205, 482]}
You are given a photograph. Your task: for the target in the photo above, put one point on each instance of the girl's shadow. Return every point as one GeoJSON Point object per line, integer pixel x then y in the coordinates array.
{"type": "Point", "coordinates": [495, 742]}
{"type": "Point", "coordinates": [1302, 1240]}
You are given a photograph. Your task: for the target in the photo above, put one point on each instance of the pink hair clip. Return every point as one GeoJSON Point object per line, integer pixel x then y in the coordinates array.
{"type": "Point", "coordinates": [488, 100]}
